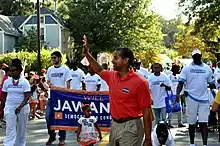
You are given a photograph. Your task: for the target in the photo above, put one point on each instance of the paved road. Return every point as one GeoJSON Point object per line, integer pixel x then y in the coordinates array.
{"type": "Point", "coordinates": [37, 136]}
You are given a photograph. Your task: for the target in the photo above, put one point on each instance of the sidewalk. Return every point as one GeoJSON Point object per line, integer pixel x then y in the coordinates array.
{"type": "Point", "coordinates": [37, 136]}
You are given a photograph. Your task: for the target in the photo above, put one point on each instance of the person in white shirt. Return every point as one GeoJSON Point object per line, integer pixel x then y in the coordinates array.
{"type": "Point", "coordinates": [92, 80]}
{"type": "Point", "coordinates": [104, 85]}
{"type": "Point", "coordinates": [174, 79]}
{"type": "Point", "coordinates": [167, 70]}
{"type": "Point", "coordinates": [145, 71]}
{"type": "Point", "coordinates": [16, 90]}
{"type": "Point", "coordinates": [59, 76]}
{"type": "Point", "coordinates": [140, 70]}
{"type": "Point", "coordinates": [78, 77]}
{"type": "Point", "coordinates": [217, 75]}
{"type": "Point", "coordinates": [159, 84]}
{"type": "Point", "coordinates": [196, 77]}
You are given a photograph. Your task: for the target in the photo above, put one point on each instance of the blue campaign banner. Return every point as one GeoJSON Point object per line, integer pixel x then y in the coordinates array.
{"type": "Point", "coordinates": [66, 108]}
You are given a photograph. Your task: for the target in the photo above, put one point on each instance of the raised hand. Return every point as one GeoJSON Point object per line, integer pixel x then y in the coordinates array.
{"type": "Point", "coordinates": [85, 45]}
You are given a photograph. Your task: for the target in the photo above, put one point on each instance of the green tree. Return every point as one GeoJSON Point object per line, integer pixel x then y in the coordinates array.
{"type": "Point", "coordinates": [30, 58]}
{"type": "Point", "coordinates": [61, 7]}
{"type": "Point", "coordinates": [206, 15]}
{"type": "Point", "coordinates": [170, 29]}
{"type": "Point", "coordinates": [147, 57]}
{"type": "Point", "coordinates": [16, 7]}
{"type": "Point", "coordinates": [186, 41]}
{"type": "Point", "coordinates": [114, 23]}
{"type": "Point", "coordinates": [28, 41]}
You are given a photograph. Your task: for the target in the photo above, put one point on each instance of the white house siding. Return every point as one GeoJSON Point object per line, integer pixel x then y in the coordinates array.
{"type": "Point", "coordinates": [52, 36]}
{"type": "Point", "coordinates": [9, 42]}
{"type": "Point", "coordinates": [1, 42]}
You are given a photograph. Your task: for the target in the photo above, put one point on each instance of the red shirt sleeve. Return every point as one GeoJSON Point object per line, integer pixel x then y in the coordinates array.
{"type": "Point", "coordinates": [107, 75]}
{"type": "Point", "coordinates": [143, 95]}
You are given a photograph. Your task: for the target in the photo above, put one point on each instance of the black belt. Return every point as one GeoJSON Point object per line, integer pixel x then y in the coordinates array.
{"type": "Point", "coordinates": [123, 120]}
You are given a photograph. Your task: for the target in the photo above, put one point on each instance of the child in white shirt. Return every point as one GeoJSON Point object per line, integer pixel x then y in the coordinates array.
{"type": "Point", "coordinates": [87, 134]}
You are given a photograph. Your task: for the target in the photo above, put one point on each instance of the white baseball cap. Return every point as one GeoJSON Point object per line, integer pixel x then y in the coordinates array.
{"type": "Point", "coordinates": [196, 51]}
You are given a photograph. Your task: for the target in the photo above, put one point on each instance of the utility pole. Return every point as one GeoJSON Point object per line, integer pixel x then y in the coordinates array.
{"type": "Point", "coordinates": [38, 38]}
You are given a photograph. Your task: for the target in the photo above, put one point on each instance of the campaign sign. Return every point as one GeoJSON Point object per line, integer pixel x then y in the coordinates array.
{"type": "Point", "coordinates": [66, 108]}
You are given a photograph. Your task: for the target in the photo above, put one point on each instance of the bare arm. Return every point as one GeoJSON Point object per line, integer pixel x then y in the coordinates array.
{"type": "Point", "coordinates": [99, 131]}
{"type": "Point", "coordinates": [167, 87]}
{"type": "Point", "coordinates": [98, 87]}
{"type": "Point", "coordinates": [27, 95]}
{"type": "Point", "coordinates": [94, 64]}
{"type": "Point", "coordinates": [78, 132]}
{"type": "Point", "coordinates": [148, 118]}
{"type": "Point", "coordinates": [178, 90]}
{"type": "Point", "coordinates": [216, 103]}
{"type": "Point", "coordinates": [68, 84]}
{"type": "Point", "coordinates": [215, 106]}
{"type": "Point", "coordinates": [4, 95]}
{"type": "Point", "coordinates": [49, 83]}
{"type": "Point", "coordinates": [45, 85]}
{"type": "Point", "coordinates": [83, 86]}
{"type": "Point", "coordinates": [212, 86]}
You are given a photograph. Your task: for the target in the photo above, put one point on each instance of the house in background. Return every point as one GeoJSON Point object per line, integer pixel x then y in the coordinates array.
{"type": "Point", "coordinates": [8, 35]}
{"type": "Point", "coordinates": [54, 33]}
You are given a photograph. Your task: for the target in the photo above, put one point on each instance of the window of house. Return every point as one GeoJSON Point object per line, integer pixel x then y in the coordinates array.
{"type": "Point", "coordinates": [42, 34]}
{"type": "Point", "coordinates": [42, 20]}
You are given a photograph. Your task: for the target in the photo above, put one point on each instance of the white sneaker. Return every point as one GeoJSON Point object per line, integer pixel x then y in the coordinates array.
{"type": "Point", "coordinates": [192, 145]}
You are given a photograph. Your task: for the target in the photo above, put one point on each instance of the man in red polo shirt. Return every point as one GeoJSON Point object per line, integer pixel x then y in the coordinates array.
{"type": "Point", "coordinates": [130, 99]}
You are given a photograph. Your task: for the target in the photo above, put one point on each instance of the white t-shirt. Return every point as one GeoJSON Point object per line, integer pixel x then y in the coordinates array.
{"type": "Point", "coordinates": [78, 76]}
{"type": "Point", "coordinates": [175, 81]}
{"type": "Point", "coordinates": [58, 76]}
{"type": "Point", "coordinates": [92, 82]}
{"type": "Point", "coordinates": [158, 93]}
{"type": "Point", "coordinates": [196, 78]}
{"type": "Point", "coordinates": [88, 131]}
{"type": "Point", "coordinates": [104, 86]}
{"type": "Point", "coordinates": [141, 74]}
{"type": "Point", "coordinates": [167, 72]}
{"type": "Point", "coordinates": [217, 76]}
{"type": "Point", "coordinates": [15, 93]}
{"type": "Point", "coordinates": [144, 71]}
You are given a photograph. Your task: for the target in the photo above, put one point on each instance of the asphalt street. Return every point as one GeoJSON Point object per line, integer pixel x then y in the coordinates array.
{"type": "Point", "coordinates": [37, 136]}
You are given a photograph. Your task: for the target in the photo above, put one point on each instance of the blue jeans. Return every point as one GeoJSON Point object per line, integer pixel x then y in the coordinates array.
{"type": "Point", "coordinates": [160, 114]}
{"type": "Point", "coordinates": [52, 133]}
{"type": "Point", "coordinates": [179, 117]}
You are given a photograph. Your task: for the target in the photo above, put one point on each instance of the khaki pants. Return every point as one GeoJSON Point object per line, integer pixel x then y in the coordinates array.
{"type": "Point", "coordinates": [130, 133]}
